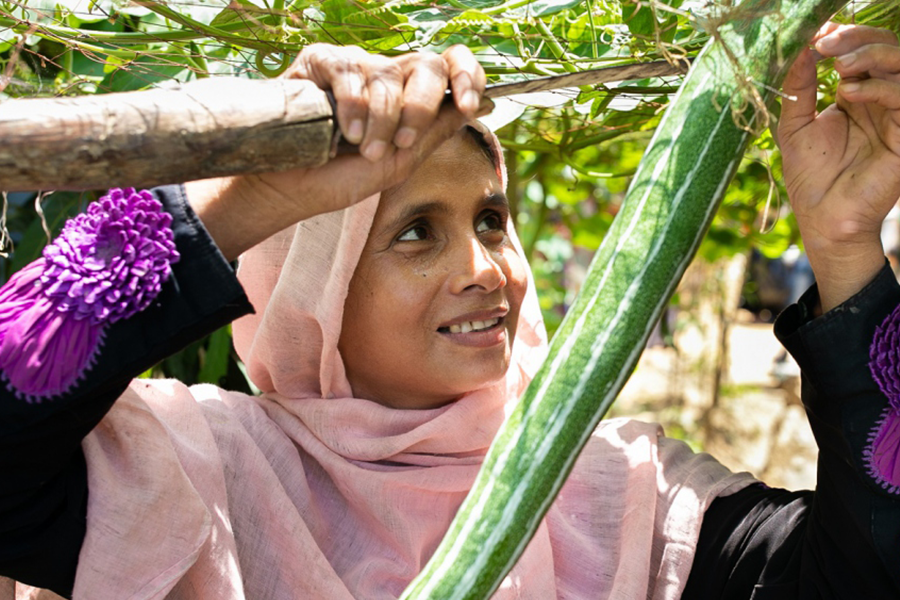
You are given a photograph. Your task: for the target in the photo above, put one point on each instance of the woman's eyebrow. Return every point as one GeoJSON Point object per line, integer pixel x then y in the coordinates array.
{"type": "Point", "coordinates": [416, 210]}
{"type": "Point", "coordinates": [411, 212]}
{"type": "Point", "coordinates": [497, 199]}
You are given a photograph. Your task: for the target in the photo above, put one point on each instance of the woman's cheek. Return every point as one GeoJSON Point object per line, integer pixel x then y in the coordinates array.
{"type": "Point", "coordinates": [516, 275]}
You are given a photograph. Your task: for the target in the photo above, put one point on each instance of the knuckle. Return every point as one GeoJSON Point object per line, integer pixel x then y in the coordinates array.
{"type": "Point", "coordinates": [433, 61]}
{"type": "Point", "coordinates": [340, 65]}
{"type": "Point", "coordinates": [432, 69]}
{"type": "Point", "coordinates": [458, 51]}
{"type": "Point", "coordinates": [389, 72]}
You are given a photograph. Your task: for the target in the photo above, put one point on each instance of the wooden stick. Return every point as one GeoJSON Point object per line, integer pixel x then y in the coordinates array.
{"type": "Point", "coordinates": [206, 128]}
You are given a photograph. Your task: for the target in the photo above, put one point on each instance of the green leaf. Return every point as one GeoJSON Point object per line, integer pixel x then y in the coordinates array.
{"type": "Point", "coordinates": [544, 8]}
{"type": "Point", "coordinates": [237, 11]}
{"type": "Point", "coordinates": [7, 38]}
{"type": "Point", "coordinates": [473, 16]}
{"type": "Point", "coordinates": [57, 207]}
{"type": "Point", "coordinates": [143, 72]}
{"type": "Point", "coordinates": [356, 22]}
{"type": "Point", "coordinates": [215, 363]}
{"type": "Point", "coordinates": [639, 17]}
{"type": "Point", "coordinates": [482, 4]}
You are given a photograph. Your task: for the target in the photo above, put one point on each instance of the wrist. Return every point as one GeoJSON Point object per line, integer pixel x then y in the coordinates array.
{"type": "Point", "coordinates": [843, 269]}
{"type": "Point", "coordinates": [211, 200]}
{"type": "Point", "coordinates": [236, 214]}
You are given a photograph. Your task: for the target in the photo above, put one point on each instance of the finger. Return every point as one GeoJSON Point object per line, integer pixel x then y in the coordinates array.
{"type": "Point", "coordinates": [798, 106]}
{"type": "Point", "coordinates": [826, 29]}
{"type": "Point", "coordinates": [423, 93]}
{"type": "Point", "coordinates": [878, 91]}
{"type": "Point", "coordinates": [873, 59]}
{"type": "Point", "coordinates": [467, 79]}
{"type": "Point", "coordinates": [338, 69]}
{"type": "Point", "coordinates": [844, 39]}
{"type": "Point", "coordinates": [385, 93]}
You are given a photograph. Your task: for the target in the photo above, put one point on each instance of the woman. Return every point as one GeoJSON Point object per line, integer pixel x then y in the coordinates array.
{"type": "Point", "coordinates": [387, 339]}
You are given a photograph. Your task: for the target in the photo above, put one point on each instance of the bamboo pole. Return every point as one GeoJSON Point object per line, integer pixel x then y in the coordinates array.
{"type": "Point", "coordinates": [206, 128]}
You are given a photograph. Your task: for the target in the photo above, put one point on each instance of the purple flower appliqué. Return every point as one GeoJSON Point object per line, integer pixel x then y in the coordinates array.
{"type": "Point", "coordinates": [106, 265]}
{"type": "Point", "coordinates": [882, 452]}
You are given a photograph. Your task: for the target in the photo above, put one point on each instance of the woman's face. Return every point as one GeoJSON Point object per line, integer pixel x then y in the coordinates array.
{"type": "Point", "coordinates": [432, 308]}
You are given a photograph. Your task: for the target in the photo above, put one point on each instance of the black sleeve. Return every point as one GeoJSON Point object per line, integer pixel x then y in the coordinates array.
{"type": "Point", "coordinates": [43, 477]}
{"type": "Point", "coordinates": [843, 539]}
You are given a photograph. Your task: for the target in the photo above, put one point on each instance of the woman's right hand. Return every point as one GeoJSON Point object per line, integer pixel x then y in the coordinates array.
{"type": "Point", "coordinates": [392, 107]}
{"type": "Point", "coordinates": [842, 165]}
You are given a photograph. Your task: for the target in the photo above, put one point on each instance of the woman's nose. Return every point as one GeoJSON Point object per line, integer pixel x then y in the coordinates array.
{"type": "Point", "coordinates": [477, 268]}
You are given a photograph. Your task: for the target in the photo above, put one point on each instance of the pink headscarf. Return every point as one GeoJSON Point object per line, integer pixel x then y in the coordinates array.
{"type": "Point", "coordinates": [308, 492]}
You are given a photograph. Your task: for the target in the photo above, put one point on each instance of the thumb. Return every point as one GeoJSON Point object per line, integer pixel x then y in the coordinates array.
{"type": "Point", "coordinates": [798, 107]}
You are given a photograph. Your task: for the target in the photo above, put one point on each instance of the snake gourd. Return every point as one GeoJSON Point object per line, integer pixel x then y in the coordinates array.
{"type": "Point", "coordinates": [668, 207]}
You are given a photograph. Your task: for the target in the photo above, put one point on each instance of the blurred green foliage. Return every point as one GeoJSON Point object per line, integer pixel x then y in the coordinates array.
{"type": "Point", "coordinates": [571, 154]}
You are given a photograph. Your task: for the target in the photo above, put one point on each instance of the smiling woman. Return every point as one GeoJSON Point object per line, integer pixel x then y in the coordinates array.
{"type": "Point", "coordinates": [438, 286]}
{"type": "Point", "coordinates": [383, 308]}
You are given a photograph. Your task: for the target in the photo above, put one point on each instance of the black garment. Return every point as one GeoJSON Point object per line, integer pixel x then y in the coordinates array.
{"type": "Point", "coordinates": [840, 542]}
{"type": "Point", "coordinates": [43, 478]}
{"type": "Point", "coordinates": [843, 541]}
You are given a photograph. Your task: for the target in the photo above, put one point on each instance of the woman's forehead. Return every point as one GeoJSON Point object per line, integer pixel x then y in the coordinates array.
{"type": "Point", "coordinates": [457, 170]}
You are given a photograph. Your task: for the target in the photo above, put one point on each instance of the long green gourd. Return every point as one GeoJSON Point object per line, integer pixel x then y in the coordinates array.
{"type": "Point", "coordinates": [667, 210]}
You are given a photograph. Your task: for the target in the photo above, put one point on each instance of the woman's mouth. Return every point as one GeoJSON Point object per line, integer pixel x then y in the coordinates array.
{"type": "Point", "coordinates": [477, 331]}
{"type": "Point", "coordinates": [467, 326]}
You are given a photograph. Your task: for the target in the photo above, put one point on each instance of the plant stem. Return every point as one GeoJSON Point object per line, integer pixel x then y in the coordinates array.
{"type": "Point", "coordinates": [73, 37]}
{"type": "Point", "coordinates": [555, 47]}
{"type": "Point", "coordinates": [590, 13]}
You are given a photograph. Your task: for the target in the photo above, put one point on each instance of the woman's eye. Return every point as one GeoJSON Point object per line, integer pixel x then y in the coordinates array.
{"type": "Point", "coordinates": [490, 222]}
{"type": "Point", "coordinates": [416, 233]}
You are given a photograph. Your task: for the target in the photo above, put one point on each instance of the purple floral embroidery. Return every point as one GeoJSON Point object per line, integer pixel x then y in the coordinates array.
{"type": "Point", "coordinates": [106, 265]}
{"type": "Point", "coordinates": [882, 452]}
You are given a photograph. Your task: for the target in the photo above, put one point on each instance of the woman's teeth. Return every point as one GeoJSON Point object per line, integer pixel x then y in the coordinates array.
{"type": "Point", "coordinates": [473, 326]}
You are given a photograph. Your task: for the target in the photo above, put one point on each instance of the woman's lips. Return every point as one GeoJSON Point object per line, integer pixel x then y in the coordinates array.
{"type": "Point", "coordinates": [479, 332]}
{"type": "Point", "coordinates": [474, 325]}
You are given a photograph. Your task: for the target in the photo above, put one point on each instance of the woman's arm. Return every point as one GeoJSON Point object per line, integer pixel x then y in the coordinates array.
{"type": "Point", "coordinates": [842, 171]}
{"type": "Point", "coordinates": [842, 166]}
{"type": "Point", "coordinates": [43, 497]}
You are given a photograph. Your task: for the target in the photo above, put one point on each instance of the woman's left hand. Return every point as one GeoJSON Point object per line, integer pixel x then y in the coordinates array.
{"type": "Point", "coordinates": [842, 166]}
{"type": "Point", "coordinates": [392, 107]}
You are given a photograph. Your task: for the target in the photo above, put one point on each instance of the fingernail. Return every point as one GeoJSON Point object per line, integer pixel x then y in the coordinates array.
{"type": "Point", "coordinates": [847, 59]}
{"type": "Point", "coordinates": [355, 131]}
{"type": "Point", "coordinates": [374, 150]}
{"type": "Point", "coordinates": [405, 137]}
{"type": "Point", "coordinates": [850, 87]}
{"type": "Point", "coordinates": [470, 101]}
